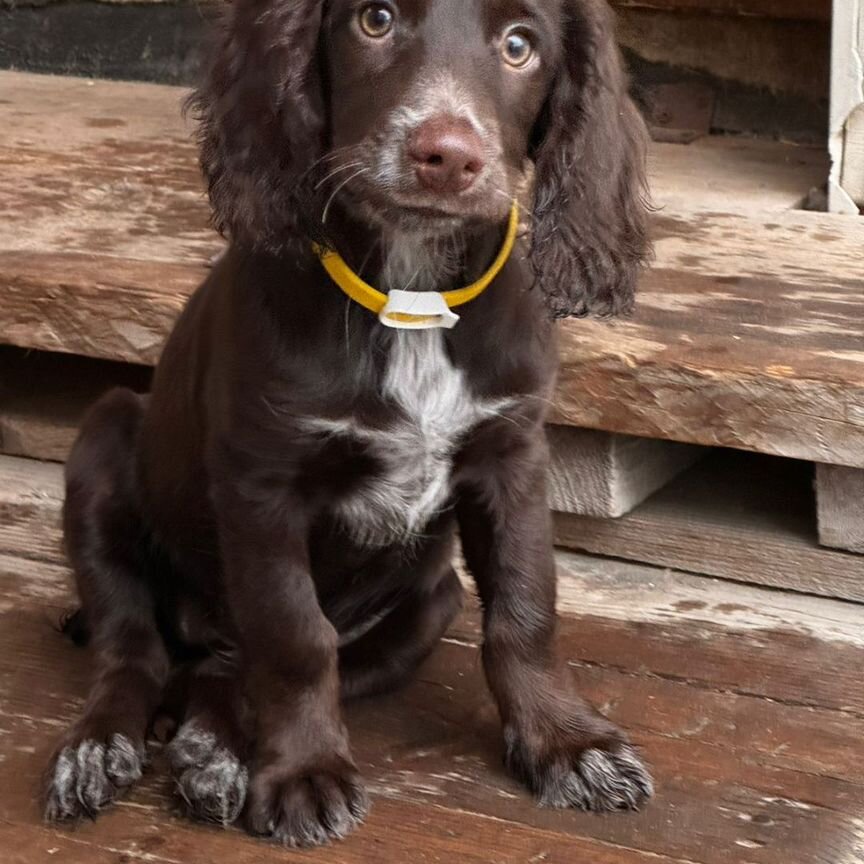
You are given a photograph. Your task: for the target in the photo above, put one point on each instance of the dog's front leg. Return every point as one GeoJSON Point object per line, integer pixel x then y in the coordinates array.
{"type": "Point", "coordinates": [564, 750]}
{"type": "Point", "coordinates": [305, 788]}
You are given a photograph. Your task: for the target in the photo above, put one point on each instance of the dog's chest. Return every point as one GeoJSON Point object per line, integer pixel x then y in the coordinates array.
{"type": "Point", "coordinates": [431, 406]}
{"type": "Point", "coordinates": [433, 410]}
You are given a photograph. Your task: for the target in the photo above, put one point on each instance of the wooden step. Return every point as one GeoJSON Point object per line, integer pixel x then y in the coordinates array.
{"type": "Point", "coordinates": [747, 331]}
{"type": "Point", "coordinates": [744, 700]}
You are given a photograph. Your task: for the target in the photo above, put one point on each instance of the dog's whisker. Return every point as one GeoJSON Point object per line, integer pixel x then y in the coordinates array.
{"type": "Point", "coordinates": [336, 171]}
{"type": "Point", "coordinates": [337, 190]}
{"type": "Point", "coordinates": [347, 152]}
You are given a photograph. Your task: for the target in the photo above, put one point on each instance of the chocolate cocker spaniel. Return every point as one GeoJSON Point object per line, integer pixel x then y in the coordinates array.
{"type": "Point", "coordinates": [364, 374]}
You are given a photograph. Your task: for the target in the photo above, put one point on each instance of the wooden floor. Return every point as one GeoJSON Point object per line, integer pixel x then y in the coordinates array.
{"type": "Point", "coordinates": [746, 701]}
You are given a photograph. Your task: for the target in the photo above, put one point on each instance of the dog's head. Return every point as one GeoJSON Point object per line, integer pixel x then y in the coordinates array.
{"type": "Point", "coordinates": [428, 115]}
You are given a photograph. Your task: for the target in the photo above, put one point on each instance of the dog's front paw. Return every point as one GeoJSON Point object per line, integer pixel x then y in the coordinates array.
{"type": "Point", "coordinates": [87, 774]}
{"type": "Point", "coordinates": [567, 773]}
{"type": "Point", "coordinates": [323, 802]}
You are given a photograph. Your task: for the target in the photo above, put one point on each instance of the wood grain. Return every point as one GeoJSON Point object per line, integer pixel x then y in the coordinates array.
{"type": "Point", "coordinates": [732, 769]}
{"type": "Point", "coordinates": [803, 10]}
{"type": "Point", "coordinates": [31, 501]}
{"type": "Point", "coordinates": [747, 334]}
{"type": "Point", "coordinates": [840, 508]}
{"type": "Point", "coordinates": [736, 516]}
{"type": "Point", "coordinates": [107, 224]}
{"type": "Point", "coordinates": [602, 475]}
{"type": "Point", "coordinates": [96, 306]}
{"type": "Point", "coordinates": [725, 687]}
{"type": "Point", "coordinates": [761, 361]}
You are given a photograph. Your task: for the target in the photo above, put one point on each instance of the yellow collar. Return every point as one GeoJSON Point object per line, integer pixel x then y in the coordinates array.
{"type": "Point", "coordinates": [420, 309]}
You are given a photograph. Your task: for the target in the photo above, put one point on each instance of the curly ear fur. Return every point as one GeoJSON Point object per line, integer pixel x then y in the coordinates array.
{"type": "Point", "coordinates": [261, 118]}
{"type": "Point", "coordinates": [590, 230]}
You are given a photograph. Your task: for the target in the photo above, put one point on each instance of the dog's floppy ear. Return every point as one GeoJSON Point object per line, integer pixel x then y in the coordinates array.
{"type": "Point", "coordinates": [590, 226]}
{"type": "Point", "coordinates": [261, 117]}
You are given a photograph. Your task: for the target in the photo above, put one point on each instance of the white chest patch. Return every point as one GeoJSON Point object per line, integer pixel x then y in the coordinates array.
{"type": "Point", "coordinates": [437, 408]}
{"type": "Point", "coordinates": [416, 452]}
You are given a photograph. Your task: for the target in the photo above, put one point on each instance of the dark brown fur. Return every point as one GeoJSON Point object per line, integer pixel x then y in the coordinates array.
{"type": "Point", "coordinates": [200, 520]}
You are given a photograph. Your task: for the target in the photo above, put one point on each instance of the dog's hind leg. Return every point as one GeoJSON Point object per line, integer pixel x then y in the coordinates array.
{"type": "Point", "coordinates": [386, 656]}
{"type": "Point", "coordinates": [104, 751]}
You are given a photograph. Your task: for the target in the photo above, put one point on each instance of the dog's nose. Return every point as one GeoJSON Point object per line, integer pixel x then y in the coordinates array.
{"type": "Point", "coordinates": [447, 153]}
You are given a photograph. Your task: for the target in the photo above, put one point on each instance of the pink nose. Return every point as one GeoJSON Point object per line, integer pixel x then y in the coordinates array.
{"type": "Point", "coordinates": [447, 153]}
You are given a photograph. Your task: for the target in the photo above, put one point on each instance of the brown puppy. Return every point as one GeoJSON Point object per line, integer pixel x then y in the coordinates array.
{"type": "Point", "coordinates": [273, 528]}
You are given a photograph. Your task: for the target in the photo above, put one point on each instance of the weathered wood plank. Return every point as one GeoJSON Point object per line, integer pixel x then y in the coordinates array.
{"type": "Point", "coordinates": [102, 168]}
{"type": "Point", "coordinates": [792, 648]}
{"type": "Point", "coordinates": [435, 747]}
{"type": "Point", "coordinates": [735, 516]}
{"type": "Point", "coordinates": [39, 435]}
{"type": "Point", "coordinates": [778, 735]}
{"type": "Point", "coordinates": [745, 336]}
{"type": "Point", "coordinates": [31, 500]}
{"type": "Point", "coordinates": [740, 175]}
{"type": "Point", "coordinates": [107, 205]}
{"type": "Point", "coordinates": [734, 638]}
{"type": "Point", "coordinates": [602, 475]}
{"type": "Point", "coordinates": [96, 306]}
{"type": "Point", "coordinates": [840, 502]}
{"type": "Point", "coordinates": [794, 10]}
{"type": "Point", "coordinates": [786, 647]}
{"type": "Point", "coordinates": [619, 623]}
{"type": "Point", "coordinates": [725, 355]}
{"type": "Point", "coordinates": [723, 637]}
{"type": "Point", "coordinates": [396, 832]}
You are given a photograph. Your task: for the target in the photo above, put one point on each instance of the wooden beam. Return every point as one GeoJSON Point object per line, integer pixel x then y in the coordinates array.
{"type": "Point", "coordinates": [745, 335]}
{"type": "Point", "coordinates": [840, 498]}
{"type": "Point", "coordinates": [603, 475]}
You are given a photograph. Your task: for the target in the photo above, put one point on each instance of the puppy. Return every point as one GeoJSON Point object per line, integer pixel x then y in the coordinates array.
{"type": "Point", "coordinates": [272, 530]}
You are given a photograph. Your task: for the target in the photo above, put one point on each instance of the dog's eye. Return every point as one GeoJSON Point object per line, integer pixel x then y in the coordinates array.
{"type": "Point", "coordinates": [376, 20]}
{"type": "Point", "coordinates": [517, 48]}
